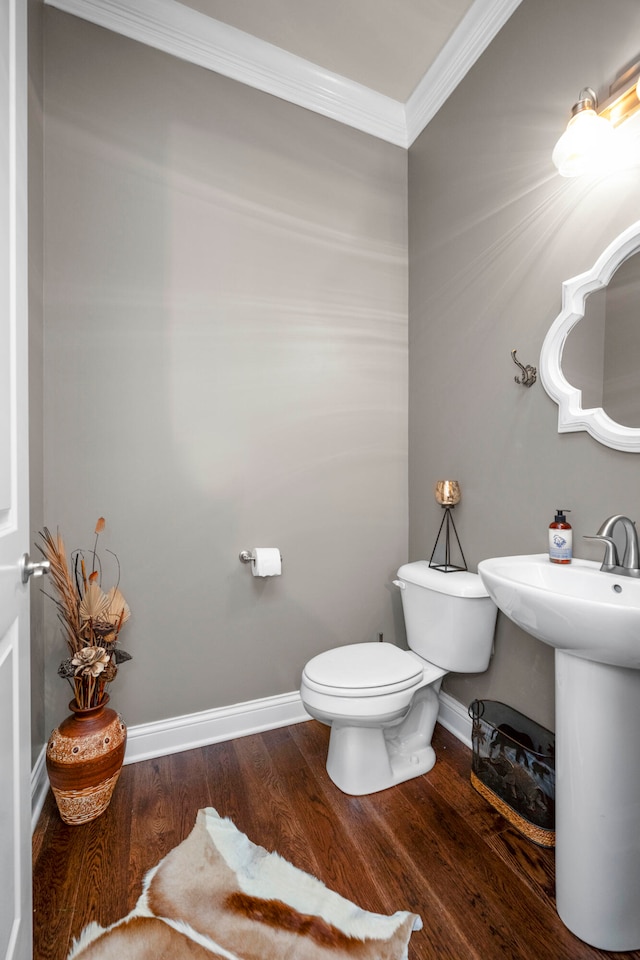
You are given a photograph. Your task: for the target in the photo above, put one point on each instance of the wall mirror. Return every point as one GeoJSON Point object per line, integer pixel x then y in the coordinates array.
{"type": "Point", "coordinates": [590, 360]}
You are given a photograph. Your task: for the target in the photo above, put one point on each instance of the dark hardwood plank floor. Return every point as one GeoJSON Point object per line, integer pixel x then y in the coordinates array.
{"type": "Point", "coordinates": [431, 845]}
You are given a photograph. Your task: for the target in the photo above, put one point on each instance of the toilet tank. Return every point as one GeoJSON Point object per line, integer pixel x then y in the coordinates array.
{"type": "Point", "coordinates": [449, 617]}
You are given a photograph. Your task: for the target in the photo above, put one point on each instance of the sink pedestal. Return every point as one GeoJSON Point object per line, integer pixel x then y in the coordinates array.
{"type": "Point", "coordinates": [592, 620]}
{"type": "Point", "coordinates": [598, 801]}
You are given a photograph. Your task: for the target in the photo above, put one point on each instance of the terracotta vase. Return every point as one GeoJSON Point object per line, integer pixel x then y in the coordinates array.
{"type": "Point", "coordinates": [84, 759]}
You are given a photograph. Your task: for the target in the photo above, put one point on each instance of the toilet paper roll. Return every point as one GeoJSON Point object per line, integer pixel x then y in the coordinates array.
{"type": "Point", "coordinates": [267, 562]}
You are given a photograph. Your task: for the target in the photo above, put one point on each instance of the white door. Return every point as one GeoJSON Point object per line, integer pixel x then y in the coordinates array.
{"type": "Point", "coordinates": [15, 761]}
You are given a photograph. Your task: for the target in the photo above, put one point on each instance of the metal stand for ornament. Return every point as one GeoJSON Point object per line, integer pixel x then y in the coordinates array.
{"type": "Point", "coordinates": [448, 525]}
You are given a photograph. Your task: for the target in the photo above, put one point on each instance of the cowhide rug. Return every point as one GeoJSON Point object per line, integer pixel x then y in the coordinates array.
{"type": "Point", "coordinates": [218, 896]}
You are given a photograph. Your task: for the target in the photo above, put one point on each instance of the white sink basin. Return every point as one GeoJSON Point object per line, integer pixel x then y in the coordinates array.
{"type": "Point", "coordinates": [573, 607]}
{"type": "Point", "coordinates": [592, 620]}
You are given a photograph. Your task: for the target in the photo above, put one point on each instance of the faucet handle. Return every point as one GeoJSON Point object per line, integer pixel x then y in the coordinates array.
{"type": "Point", "coordinates": [611, 558]}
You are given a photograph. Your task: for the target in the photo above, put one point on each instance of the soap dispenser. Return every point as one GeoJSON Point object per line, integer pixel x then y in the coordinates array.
{"type": "Point", "coordinates": [560, 538]}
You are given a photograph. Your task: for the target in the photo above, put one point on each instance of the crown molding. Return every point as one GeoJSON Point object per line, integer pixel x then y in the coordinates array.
{"type": "Point", "coordinates": [484, 19]}
{"type": "Point", "coordinates": [190, 35]}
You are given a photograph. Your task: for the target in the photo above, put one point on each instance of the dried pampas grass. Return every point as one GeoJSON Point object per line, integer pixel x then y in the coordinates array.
{"type": "Point", "coordinates": [91, 619]}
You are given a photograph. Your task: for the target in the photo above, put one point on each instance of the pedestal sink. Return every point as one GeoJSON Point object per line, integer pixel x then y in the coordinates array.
{"type": "Point", "coordinates": [592, 619]}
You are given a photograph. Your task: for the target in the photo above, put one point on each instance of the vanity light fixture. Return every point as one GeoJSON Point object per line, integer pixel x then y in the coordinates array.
{"type": "Point", "coordinates": [590, 135]}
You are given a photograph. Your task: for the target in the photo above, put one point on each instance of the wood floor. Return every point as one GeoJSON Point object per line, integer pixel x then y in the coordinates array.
{"type": "Point", "coordinates": [431, 845]}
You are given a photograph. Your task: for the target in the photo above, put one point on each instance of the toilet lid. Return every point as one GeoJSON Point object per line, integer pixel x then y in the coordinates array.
{"type": "Point", "coordinates": [363, 669]}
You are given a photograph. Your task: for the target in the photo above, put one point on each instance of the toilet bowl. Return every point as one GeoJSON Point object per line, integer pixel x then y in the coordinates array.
{"type": "Point", "coordinates": [364, 692]}
{"type": "Point", "coordinates": [381, 702]}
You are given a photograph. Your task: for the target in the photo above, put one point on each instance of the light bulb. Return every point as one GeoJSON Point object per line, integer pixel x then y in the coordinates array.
{"type": "Point", "coordinates": [584, 144]}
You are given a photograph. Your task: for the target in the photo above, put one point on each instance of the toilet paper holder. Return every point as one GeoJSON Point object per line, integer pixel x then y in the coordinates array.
{"type": "Point", "coordinates": [247, 557]}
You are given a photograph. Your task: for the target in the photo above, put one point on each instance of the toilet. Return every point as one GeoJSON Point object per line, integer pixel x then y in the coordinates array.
{"type": "Point", "coordinates": [381, 702]}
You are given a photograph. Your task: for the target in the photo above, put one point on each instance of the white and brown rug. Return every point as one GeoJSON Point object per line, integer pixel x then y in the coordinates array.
{"type": "Point", "coordinates": [218, 896]}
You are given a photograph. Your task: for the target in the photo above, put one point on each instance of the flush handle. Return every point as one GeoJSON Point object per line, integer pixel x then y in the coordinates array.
{"type": "Point", "coordinates": [399, 583]}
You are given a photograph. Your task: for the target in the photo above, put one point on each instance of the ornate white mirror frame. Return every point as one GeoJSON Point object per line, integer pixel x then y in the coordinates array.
{"type": "Point", "coordinates": [571, 416]}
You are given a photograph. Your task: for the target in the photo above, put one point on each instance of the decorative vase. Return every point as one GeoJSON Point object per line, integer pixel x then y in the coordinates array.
{"type": "Point", "coordinates": [84, 759]}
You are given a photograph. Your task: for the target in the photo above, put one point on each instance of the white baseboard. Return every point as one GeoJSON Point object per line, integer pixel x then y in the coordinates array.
{"type": "Point", "coordinates": [148, 740]}
{"type": "Point", "coordinates": [212, 726]}
{"type": "Point", "coordinates": [455, 718]}
{"type": "Point", "coordinates": [39, 786]}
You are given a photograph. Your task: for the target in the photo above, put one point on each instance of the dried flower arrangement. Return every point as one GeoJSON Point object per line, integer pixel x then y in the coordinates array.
{"type": "Point", "coordinates": [91, 619]}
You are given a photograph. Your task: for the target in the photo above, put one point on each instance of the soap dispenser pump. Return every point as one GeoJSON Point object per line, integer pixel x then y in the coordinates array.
{"type": "Point", "coordinates": [560, 538]}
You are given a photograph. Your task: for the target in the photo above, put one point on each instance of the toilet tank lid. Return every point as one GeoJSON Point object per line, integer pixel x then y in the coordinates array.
{"type": "Point", "coordinates": [459, 583]}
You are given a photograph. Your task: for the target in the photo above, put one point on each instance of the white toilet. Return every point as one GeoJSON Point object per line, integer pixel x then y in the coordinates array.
{"type": "Point", "coordinates": [381, 702]}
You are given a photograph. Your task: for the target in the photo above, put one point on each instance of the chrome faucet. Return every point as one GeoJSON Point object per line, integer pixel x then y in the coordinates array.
{"type": "Point", "coordinates": [630, 566]}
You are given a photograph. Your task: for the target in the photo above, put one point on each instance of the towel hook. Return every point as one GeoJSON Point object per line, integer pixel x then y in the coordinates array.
{"type": "Point", "coordinates": [529, 373]}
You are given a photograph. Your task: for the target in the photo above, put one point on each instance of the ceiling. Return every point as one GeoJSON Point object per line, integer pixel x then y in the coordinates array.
{"type": "Point", "coordinates": [382, 66]}
{"type": "Point", "coordinates": [386, 45]}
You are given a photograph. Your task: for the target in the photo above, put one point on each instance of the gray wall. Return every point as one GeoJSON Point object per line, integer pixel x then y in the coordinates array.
{"type": "Point", "coordinates": [225, 367]}
{"type": "Point", "coordinates": [493, 232]}
{"type": "Point", "coordinates": [225, 349]}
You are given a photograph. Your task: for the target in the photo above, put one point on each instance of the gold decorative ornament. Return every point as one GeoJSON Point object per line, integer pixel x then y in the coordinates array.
{"type": "Point", "coordinates": [447, 492]}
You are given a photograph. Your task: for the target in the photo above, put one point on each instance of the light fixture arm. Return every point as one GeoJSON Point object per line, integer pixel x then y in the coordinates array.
{"type": "Point", "coordinates": [587, 100]}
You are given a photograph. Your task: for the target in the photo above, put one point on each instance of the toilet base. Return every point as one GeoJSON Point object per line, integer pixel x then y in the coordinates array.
{"type": "Point", "coordinates": [363, 760]}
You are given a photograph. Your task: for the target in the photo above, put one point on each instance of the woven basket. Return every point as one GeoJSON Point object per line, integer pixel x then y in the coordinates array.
{"type": "Point", "coordinates": [513, 768]}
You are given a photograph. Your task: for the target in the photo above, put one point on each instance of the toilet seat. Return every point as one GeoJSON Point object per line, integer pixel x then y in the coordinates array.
{"type": "Point", "coordinates": [363, 670]}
